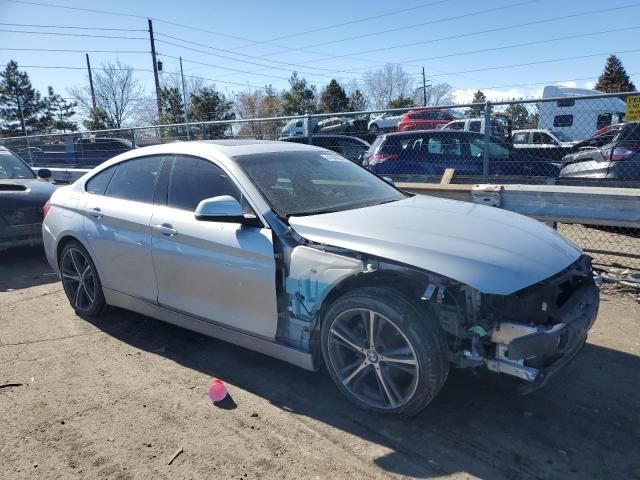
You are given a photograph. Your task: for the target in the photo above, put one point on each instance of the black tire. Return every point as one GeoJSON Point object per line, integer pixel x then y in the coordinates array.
{"type": "Point", "coordinates": [84, 292]}
{"type": "Point", "coordinates": [401, 320]}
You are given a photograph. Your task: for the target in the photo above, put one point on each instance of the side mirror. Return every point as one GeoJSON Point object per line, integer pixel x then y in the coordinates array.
{"type": "Point", "coordinates": [224, 209]}
{"type": "Point", "coordinates": [388, 180]}
{"type": "Point", "coordinates": [44, 173]}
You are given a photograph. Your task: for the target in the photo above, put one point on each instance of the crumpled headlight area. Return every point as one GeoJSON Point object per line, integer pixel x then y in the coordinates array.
{"type": "Point", "coordinates": [540, 303]}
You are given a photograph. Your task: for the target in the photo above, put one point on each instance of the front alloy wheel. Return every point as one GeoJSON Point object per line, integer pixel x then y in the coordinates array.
{"type": "Point", "coordinates": [80, 280]}
{"type": "Point", "coordinates": [373, 358]}
{"type": "Point", "coordinates": [383, 351]}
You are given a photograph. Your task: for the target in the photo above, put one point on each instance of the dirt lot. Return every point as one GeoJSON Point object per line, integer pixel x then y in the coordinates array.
{"type": "Point", "coordinates": [116, 397]}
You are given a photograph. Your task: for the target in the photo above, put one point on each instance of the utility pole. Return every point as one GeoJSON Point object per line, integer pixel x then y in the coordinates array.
{"type": "Point", "coordinates": [23, 124]}
{"type": "Point", "coordinates": [155, 68]}
{"type": "Point", "coordinates": [184, 97]}
{"type": "Point", "coordinates": [424, 89]}
{"type": "Point", "coordinates": [93, 92]}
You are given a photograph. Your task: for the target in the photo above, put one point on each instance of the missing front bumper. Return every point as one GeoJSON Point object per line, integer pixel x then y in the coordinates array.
{"type": "Point", "coordinates": [519, 346]}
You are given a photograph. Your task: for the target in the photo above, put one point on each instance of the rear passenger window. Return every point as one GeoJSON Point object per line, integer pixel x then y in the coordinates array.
{"type": "Point", "coordinates": [135, 180]}
{"type": "Point", "coordinates": [194, 179]}
{"type": "Point", "coordinates": [98, 184]}
{"type": "Point", "coordinates": [475, 126]}
{"type": "Point", "coordinates": [520, 137]}
{"type": "Point", "coordinates": [563, 120]}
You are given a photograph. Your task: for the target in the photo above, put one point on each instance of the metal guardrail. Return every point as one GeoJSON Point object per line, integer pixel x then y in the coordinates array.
{"type": "Point", "coordinates": [616, 207]}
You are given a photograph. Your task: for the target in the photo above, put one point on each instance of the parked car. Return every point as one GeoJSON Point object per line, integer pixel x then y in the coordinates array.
{"type": "Point", "coordinates": [349, 147]}
{"type": "Point", "coordinates": [298, 253]}
{"type": "Point", "coordinates": [543, 143]}
{"type": "Point", "coordinates": [22, 197]}
{"type": "Point", "coordinates": [342, 126]}
{"type": "Point", "coordinates": [387, 122]}
{"type": "Point", "coordinates": [424, 119]}
{"type": "Point", "coordinates": [431, 152]}
{"type": "Point", "coordinates": [578, 118]}
{"type": "Point", "coordinates": [500, 126]}
{"type": "Point", "coordinates": [315, 125]}
{"type": "Point", "coordinates": [613, 153]}
{"type": "Point", "coordinates": [78, 152]}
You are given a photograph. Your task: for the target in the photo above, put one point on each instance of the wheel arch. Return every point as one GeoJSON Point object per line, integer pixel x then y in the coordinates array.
{"type": "Point", "coordinates": [408, 283]}
{"type": "Point", "coordinates": [63, 242]}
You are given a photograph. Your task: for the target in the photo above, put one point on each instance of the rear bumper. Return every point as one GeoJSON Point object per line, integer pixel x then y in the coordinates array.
{"type": "Point", "coordinates": [20, 236]}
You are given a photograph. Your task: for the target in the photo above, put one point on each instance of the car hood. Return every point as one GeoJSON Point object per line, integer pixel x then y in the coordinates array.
{"type": "Point", "coordinates": [489, 249]}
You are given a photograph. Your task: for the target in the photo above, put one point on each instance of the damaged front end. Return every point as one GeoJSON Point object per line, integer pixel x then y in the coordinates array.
{"type": "Point", "coordinates": [530, 334]}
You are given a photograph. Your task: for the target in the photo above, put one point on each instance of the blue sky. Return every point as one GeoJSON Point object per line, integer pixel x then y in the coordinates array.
{"type": "Point", "coordinates": [252, 31]}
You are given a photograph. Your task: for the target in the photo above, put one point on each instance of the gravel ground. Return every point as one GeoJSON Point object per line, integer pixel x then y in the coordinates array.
{"type": "Point", "coordinates": [119, 396]}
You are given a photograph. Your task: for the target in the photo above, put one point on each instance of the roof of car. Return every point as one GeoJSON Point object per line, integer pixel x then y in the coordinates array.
{"type": "Point", "coordinates": [417, 133]}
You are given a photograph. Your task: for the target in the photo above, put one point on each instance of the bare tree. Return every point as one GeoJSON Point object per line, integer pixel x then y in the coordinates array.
{"type": "Point", "coordinates": [259, 104]}
{"type": "Point", "coordinates": [386, 84]}
{"type": "Point", "coordinates": [439, 94]}
{"type": "Point", "coordinates": [118, 95]}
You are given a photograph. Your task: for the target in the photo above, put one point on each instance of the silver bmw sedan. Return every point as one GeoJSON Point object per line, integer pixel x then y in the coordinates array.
{"type": "Point", "coordinates": [298, 253]}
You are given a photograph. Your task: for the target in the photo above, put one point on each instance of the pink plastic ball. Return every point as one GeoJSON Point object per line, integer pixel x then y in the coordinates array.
{"type": "Point", "coordinates": [217, 390]}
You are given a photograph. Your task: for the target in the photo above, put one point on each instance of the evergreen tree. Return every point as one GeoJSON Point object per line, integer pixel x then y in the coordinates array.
{"type": "Point", "coordinates": [333, 98]}
{"type": "Point", "coordinates": [475, 111]}
{"type": "Point", "coordinates": [519, 115]}
{"type": "Point", "coordinates": [21, 106]}
{"type": "Point", "coordinates": [207, 104]}
{"type": "Point", "coordinates": [401, 102]}
{"type": "Point", "coordinates": [97, 119]}
{"type": "Point", "coordinates": [357, 102]}
{"type": "Point", "coordinates": [300, 98]}
{"type": "Point", "coordinates": [57, 114]}
{"type": "Point", "coordinates": [614, 78]}
{"type": "Point", "coordinates": [172, 108]}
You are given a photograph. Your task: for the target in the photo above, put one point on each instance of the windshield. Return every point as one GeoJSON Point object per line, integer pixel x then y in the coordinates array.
{"type": "Point", "coordinates": [311, 182]}
{"type": "Point", "coordinates": [561, 136]}
{"type": "Point", "coordinates": [12, 167]}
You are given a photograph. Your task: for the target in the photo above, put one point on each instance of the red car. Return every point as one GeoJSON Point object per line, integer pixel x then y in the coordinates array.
{"type": "Point", "coordinates": [424, 119]}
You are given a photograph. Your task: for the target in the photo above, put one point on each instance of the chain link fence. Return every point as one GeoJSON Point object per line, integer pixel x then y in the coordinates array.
{"type": "Point", "coordinates": [566, 140]}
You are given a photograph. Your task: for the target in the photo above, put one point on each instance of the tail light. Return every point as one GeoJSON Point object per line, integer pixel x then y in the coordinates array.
{"type": "Point", "coordinates": [381, 157]}
{"type": "Point", "coordinates": [46, 208]}
{"type": "Point", "coordinates": [618, 153]}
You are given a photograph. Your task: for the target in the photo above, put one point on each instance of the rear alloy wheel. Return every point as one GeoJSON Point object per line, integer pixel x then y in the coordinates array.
{"type": "Point", "coordinates": [80, 280]}
{"type": "Point", "coordinates": [382, 352]}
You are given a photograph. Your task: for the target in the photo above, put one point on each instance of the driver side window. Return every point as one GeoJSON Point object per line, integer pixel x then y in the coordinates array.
{"type": "Point", "coordinates": [193, 179]}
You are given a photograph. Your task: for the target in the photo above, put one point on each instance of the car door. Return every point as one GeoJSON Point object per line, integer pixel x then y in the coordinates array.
{"type": "Point", "coordinates": [219, 272]}
{"type": "Point", "coordinates": [118, 209]}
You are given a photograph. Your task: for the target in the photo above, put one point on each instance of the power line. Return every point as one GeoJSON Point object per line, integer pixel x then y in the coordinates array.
{"type": "Point", "coordinates": [67, 67]}
{"type": "Point", "coordinates": [351, 22]}
{"type": "Point", "coordinates": [69, 50]}
{"type": "Point", "coordinates": [422, 24]}
{"type": "Point", "coordinates": [288, 64]}
{"type": "Point", "coordinates": [71, 27]}
{"type": "Point", "coordinates": [71, 34]}
{"type": "Point", "coordinates": [539, 62]}
{"type": "Point", "coordinates": [66, 7]}
{"type": "Point", "coordinates": [467, 34]}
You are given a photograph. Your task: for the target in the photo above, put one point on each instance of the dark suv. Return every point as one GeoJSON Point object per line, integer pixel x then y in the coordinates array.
{"type": "Point", "coordinates": [431, 152]}
{"type": "Point", "coordinates": [613, 153]}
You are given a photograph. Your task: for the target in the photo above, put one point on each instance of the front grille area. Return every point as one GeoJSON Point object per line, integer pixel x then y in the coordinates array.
{"type": "Point", "coordinates": [540, 303]}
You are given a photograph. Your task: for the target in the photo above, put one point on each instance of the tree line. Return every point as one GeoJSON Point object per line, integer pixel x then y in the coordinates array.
{"type": "Point", "coordinates": [119, 100]}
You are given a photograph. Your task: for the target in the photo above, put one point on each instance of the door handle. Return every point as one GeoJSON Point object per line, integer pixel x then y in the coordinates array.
{"type": "Point", "coordinates": [165, 229]}
{"type": "Point", "coordinates": [95, 212]}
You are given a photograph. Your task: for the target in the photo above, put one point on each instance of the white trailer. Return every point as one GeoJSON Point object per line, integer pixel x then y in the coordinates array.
{"type": "Point", "coordinates": [578, 118]}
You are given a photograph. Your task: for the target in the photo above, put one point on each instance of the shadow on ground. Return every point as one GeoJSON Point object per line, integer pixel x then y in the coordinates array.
{"type": "Point", "coordinates": [584, 424]}
{"type": "Point", "coordinates": [32, 265]}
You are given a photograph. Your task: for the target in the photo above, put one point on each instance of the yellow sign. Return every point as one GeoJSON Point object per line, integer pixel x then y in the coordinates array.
{"type": "Point", "coordinates": [633, 109]}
